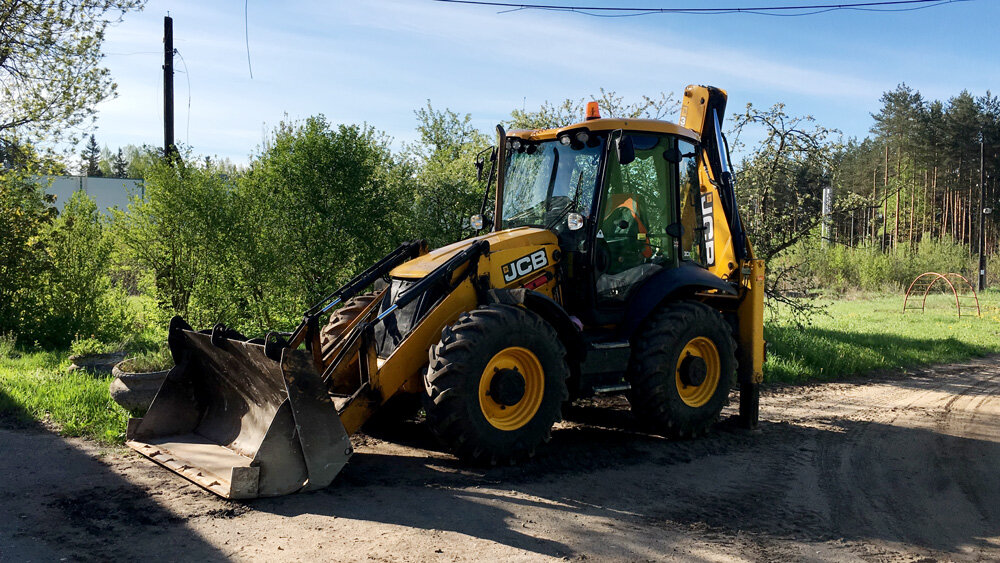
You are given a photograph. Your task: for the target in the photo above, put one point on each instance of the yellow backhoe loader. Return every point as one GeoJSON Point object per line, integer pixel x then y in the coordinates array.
{"type": "Point", "coordinates": [615, 260]}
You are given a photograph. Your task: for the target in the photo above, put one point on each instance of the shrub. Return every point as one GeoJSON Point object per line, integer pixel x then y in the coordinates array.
{"type": "Point", "coordinates": [839, 268]}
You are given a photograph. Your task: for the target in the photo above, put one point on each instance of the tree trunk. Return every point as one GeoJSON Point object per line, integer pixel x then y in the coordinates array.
{"type": "Point", "coordinates": [874, 210]}
{"type": "Point", "coordinates": [934, 205]}
{"type": "Point", "coordinates": [945, 210]}
{"type": "Point", "coordinates": [923, 213]}
{"type": "Point", "coordinates": [899, 192]}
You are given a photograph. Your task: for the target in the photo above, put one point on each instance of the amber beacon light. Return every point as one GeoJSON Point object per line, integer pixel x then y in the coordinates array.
{"type": "Point", "coordinates": [593, 112]}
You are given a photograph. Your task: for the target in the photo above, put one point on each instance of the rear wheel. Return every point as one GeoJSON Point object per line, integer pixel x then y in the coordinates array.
{"type": "Point", "coordinates": [682, 367]}
{"type": "Point", "coordinates": [342, 317]}
{"type": "Point", "coordinates": [495, 384]}
{"type": "Point", "coordinates": [334, 329]}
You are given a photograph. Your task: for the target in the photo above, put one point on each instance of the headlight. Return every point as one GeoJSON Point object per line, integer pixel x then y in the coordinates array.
{"type": "Point", "coordinates": [574, 221]}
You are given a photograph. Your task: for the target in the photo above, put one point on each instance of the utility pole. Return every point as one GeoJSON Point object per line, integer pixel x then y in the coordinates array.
{"type": "Point", "coordinates": [885, 200]}
{"type": "Point", "coordinates": [827, 211]}
{"type": "Point", "coordinates": [982, 215]}
{"type": "Point", "coordinates": [169, 150]}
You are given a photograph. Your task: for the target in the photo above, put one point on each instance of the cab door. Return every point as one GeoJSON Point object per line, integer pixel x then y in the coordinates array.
{"type": "Point", "coordinates": [638, 203]}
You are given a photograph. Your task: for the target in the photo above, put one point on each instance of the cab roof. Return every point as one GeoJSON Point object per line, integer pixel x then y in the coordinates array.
{"type": "Point", "coordinates": [609, 124]}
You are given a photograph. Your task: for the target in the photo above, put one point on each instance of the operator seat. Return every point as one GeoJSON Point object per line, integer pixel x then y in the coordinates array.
{"type": "Point", "coordinates": [627, 239]}
{"type": "Point", "coordinates": [624, 221]}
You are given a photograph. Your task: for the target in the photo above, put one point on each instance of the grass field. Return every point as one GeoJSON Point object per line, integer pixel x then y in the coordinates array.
{"type": "Point", "coordinates": [854, 337]}
{"type": "Point", "coordinates": [859, 336]}
{"type": "Point", "coordinates": [36, 386]}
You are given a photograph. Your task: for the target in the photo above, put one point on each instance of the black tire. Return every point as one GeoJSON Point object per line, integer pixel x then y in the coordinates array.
{"type": "Point", "coordinates": [659, 375]}
{"type": "Point", "coordinates": [343, 316]}
{"type": "Point", "coordinates": [457, 373]}
{"type": "Point", "coordinates": [338, 323]}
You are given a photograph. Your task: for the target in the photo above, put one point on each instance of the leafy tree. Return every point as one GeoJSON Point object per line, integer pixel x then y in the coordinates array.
{"type": "Point", "coordinates": [76, 282]}
{"type": "Point", "coordinates": [782, 178]}
{"type": "Point", "coordinates": [25, 213]}
{"type": "Point", "coordinates": [141, 159]}
{"type": "Point", "coordinates": [780, 186]}
{"type": "Point", "coordinates": [91, 156]}
{"type": "Point", "coordinates": [448, 191]}
{"type": "Point", "coordinates": [612, 105]}
{"type": "Point", "coordinates": [51, 78]}
{"type": "Point", "coordinates": [318, 204]}
{"type": "Point", "coordinates": [176, 231]}
{"type": "Point", "coordinates": [253, 249]}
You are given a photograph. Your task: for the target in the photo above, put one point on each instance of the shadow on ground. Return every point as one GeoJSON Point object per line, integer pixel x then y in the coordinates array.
{"type": "Point", "coordinates": [60, 503]}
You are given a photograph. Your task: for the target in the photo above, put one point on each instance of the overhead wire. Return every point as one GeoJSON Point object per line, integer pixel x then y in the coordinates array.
{"type": "Point", "coordinates": [187, 75]}
{"type": "Point", "coordinates": [246, 35]}
{"type": "Point", "coordinates": [780, 11]}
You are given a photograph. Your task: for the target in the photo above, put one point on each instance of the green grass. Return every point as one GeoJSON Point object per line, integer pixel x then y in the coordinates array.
{"type": "Point", "coordinates": [36, 386]}
{"type": "Point", "coordinates": [145, 362]}
{"type": "Point", "coordinates": [864, 335]}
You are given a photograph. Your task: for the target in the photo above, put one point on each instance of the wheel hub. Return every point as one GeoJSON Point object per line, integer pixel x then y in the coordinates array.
{"type": "Point", "coordinates": [693, 370]}
{"type": "Point", "coordinates": [507, 387]}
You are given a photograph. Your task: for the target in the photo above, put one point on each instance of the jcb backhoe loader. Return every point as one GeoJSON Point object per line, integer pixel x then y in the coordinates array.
{"type": "Point", "coordinates": [616, 260]}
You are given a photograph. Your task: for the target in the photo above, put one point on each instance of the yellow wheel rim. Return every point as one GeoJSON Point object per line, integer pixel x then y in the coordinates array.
{"type": "Point", "coordinates": [699, 395]}
{"type": "Point", "coordinates": [525, 363]}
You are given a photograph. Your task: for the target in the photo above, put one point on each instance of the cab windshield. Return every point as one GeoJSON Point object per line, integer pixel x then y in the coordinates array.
{"type": "Point", "coordinates": [546, 181]}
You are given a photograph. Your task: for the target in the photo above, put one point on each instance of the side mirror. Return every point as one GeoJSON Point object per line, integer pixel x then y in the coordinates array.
{"type": "Point", "coordinates": [672, 155]}
{"type": "Point", "coordinates": [574, 221]}
{"type": "Point", "coordinates": [675, 230]}
{"type": "Point", "coordinates": [476, 222]}
{"type": "Point", "coordinates": [625, 149]}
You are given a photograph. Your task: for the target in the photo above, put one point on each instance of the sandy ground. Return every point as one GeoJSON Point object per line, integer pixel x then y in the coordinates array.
{"type": "Point", "coordinates": [902, 467]}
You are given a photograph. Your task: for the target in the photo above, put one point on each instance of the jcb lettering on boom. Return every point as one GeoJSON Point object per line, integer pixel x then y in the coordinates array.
{"type": "Point", "coordinates": [708, 222]}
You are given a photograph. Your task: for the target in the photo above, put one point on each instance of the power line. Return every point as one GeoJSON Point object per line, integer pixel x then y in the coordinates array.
{"type": "Point", "coordinates": [187, 75]}
{"type": "Point", "coordinates": [786, 11]}
{"type": "Point", "coordinates": [246, 34]}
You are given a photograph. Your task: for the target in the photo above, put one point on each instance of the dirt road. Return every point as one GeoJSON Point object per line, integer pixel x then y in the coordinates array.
{"type": "Point", "coordinates": [896, 468]}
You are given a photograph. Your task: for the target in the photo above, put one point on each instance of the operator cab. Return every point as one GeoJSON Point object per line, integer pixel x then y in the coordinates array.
{"type": "Point", "coordinates": [622, 196]}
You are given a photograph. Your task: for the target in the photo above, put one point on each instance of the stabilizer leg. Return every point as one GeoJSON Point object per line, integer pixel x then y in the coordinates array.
{"type": "Point", "coordinates": [749, 405]}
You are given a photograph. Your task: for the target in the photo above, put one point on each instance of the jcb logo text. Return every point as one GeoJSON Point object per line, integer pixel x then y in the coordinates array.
{"type": "Point", "coordinates": [524, 265]}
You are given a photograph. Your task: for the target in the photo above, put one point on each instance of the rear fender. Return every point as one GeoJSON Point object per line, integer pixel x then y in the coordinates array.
{"type": "Point", "coordinates": [666, 285]}
{"type": "Point", "coordinates": [552, 312]}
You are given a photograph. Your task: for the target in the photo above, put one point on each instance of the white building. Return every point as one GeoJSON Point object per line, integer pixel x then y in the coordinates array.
{"type": "Point", "coordinates": [107, 192]}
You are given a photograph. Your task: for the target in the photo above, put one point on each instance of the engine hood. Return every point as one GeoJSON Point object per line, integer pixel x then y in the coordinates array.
{"type": "Point", "coordinates": [499, 241]}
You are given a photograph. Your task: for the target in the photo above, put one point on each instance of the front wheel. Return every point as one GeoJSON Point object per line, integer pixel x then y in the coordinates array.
{"type": "Point", "coordinates": [495, 384]}
{"type": "Point", "coordinates": [682, 367]}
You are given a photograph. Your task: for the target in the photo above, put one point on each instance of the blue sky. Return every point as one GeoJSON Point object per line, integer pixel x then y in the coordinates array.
{"type": "Point", "coordinates": [376, 61]}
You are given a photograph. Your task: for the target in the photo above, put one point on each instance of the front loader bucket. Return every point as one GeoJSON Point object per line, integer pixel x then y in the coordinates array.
{"type": "Point", "coordinates": [239, 423]}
